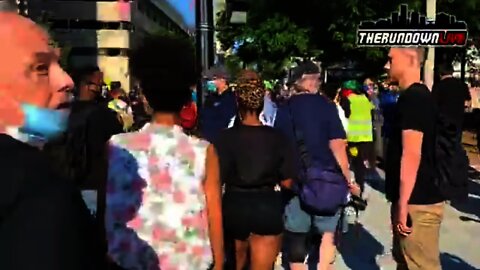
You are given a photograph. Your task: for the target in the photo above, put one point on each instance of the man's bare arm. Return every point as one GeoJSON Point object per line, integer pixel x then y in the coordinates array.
{"type": "Point", "coordinates": [411, 155]}
{"type": "Point", "coordinates": [339, 150]}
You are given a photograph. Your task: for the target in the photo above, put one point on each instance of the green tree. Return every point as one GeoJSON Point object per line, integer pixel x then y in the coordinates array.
{"type": "Point", "coordinates": [268, 45]}
{"type": "Point", "coordinates": [332, 25]}
{"type": "Point", "coordinates": [465, 10]}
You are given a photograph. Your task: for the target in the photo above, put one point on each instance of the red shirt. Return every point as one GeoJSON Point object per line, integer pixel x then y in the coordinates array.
{"type": "Point", "coordinates": [346, 92]}
{"type": "Point", "coordinates": [188, 116]}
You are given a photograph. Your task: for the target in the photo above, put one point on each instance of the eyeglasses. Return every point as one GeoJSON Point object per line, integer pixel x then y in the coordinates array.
{"type": "Point", "coordinates": [93, 85]}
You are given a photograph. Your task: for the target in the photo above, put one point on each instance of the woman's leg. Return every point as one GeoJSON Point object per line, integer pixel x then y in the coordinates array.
{"type": "Point", "coordinates": [327, 251]}
{"type": "Point", "coordinates": [241, 254]}
{"type": "Point", "coordinates": [263, 251]}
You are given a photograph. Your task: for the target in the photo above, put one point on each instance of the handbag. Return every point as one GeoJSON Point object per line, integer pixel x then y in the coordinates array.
{"type": "Point", "coordinates": [321, 190]}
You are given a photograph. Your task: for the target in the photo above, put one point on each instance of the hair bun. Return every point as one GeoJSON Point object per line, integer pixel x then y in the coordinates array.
{"type": "Point", "coordinates": [250, 93]}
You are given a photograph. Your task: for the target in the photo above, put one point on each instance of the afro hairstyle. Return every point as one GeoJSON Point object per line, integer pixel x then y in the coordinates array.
{"type": "Point", "coordinates": [166, 69]}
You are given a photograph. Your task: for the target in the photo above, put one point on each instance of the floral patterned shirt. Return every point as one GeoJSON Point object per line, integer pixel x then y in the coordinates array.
{"type": "Point", "coordinates": [155, 206]}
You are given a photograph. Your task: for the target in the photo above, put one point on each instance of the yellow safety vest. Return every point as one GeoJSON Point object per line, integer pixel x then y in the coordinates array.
{"type": "Point", "coordinates": [360, 120]}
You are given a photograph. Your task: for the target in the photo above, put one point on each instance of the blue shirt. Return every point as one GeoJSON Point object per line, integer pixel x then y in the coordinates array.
{"type": "Point", "coordinates": [217, 113]}
{"type": "Point", "coordinates": [317, 119]}
{"type": "Point", "coordinates": [388, 100]}
{"type": "Point", "coordinates": [269, 111]}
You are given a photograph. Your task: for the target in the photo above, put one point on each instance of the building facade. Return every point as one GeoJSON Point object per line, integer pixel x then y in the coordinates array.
{"type": "Point", "coordinates": [102, 32]}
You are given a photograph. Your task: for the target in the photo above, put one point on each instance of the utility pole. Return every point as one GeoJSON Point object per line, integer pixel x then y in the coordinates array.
{"type": "Point", "coordinates": [428, 69]}
{"type": "Point", "coordinates": [203, 42]}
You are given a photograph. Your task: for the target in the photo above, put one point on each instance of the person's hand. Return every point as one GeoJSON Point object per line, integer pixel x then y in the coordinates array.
{"type": "Point", "coordinates": [126, 120]}
{"type": "Point", "coordinates": [401, 219]}
{"type": "Point", "coordinates": [220, 267]}
{"type": "Point", "coordinates": [218, 260]}
{"type": "Point", "coordinates": [355, 189]}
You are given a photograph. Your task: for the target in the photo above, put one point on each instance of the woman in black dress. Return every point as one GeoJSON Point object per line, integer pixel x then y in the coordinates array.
{"type": "Point", "coordinates": [255, 161]}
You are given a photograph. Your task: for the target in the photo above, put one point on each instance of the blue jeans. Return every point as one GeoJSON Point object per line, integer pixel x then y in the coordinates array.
{"type": "Point", "coordinates": [299, 221]}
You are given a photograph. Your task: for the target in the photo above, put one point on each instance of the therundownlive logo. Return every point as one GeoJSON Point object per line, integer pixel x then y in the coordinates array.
{"type": "Point", "coordinates": [411, 38]}
{"type": "Point", "coordinates": [407, 29]}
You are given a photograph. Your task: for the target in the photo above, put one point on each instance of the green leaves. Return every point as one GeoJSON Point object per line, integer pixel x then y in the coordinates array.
{"type": "Point", "coordinates": [324, 28]}
{"type": "Point", "coordinates": [268, 44]}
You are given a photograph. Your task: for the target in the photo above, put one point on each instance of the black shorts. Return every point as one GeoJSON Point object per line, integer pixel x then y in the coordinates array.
{"type": "Point", "coordinates": [252, 212]}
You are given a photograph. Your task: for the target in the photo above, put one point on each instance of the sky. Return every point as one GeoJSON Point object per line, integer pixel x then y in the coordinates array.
{"type": "Point", "coordinates": [186, 8]}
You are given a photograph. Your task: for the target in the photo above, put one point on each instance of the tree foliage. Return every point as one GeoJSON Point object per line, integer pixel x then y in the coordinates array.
{"type": "Point", "coordinates": [269, 45]}
{"type": "Point", "coordinates": [332, 25]}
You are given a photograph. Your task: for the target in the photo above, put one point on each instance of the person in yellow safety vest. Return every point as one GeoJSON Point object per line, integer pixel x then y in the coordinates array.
{"type": "Point", "coordinates": [359, 132]}
{"type": "Point", "coordinates": [121, 107]}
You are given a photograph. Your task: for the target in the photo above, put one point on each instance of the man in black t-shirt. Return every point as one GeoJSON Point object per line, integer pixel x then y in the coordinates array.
{"type": "Point", "coordinates": [417, 206]}
{"type": "Point", "coordinates": [452, 96]}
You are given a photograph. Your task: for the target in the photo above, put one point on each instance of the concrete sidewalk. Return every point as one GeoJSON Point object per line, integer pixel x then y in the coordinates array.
{"type": "Point", "coordinates": [369, 247]}
{"type": "Point", "coordinates": [470, 144]}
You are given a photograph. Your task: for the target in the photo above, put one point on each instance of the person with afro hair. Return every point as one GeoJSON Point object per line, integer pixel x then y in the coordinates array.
{"type": "Point", "coordinates": [161, 181]}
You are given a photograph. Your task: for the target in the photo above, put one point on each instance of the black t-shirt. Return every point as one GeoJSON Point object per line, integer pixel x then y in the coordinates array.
{"type": "Point", "coordinates": [450, 95]}
{"type": "Point", "coordinates": [254, 156]}
{"type": "Point", "coordinates": [102, 123]}
{"type": "Point", "coordinates": [415, 111]}
{"type": "Point", "coordinates": [44, 223]}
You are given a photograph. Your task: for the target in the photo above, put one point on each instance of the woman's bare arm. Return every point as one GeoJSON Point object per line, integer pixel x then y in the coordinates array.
{"type": "Point", "coordinates": [213, 193]}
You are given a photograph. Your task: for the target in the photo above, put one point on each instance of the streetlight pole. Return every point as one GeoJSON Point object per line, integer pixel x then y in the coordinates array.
{"type": "Point", "coordinates": [203, 41]}
{"type": "Point", "coordinates": [428, 70]}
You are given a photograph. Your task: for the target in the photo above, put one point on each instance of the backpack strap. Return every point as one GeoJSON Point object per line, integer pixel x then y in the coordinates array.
{"type": "Point", "coordinates": [300, 141]}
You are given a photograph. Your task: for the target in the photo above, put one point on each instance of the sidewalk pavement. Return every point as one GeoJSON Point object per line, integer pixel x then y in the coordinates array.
{"type": "Point", "coordinates": [470, 144]}
{"type": "Point", "coordinates": [367, 247]}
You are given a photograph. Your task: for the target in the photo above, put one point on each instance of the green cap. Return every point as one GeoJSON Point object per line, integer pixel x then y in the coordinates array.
{"type": "Point", "coordinates": [351, 85]}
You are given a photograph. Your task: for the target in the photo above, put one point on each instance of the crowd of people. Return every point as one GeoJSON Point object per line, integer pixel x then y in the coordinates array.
{"type": "Point", "coordinates": [128, 182]}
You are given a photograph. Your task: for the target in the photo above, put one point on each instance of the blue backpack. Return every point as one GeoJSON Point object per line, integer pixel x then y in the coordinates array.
{"type": "Point", "coordinates": [321, 190]}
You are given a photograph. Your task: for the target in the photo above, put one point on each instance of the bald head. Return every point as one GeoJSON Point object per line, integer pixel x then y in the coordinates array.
{"type": "Point", "coordinates": [19, 30]}
{"type": "Point", "coordinates": [30, 72]}
{"type": "Point", "coordinates": [405, 62]}
{"type": "Point", "coordinates": [24, 38]}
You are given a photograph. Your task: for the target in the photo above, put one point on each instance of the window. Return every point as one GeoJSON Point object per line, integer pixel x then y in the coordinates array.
{"type": "Point", "coordinates": [89, 24]}
{"type": "Point", "coordinates": [91, 51]}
